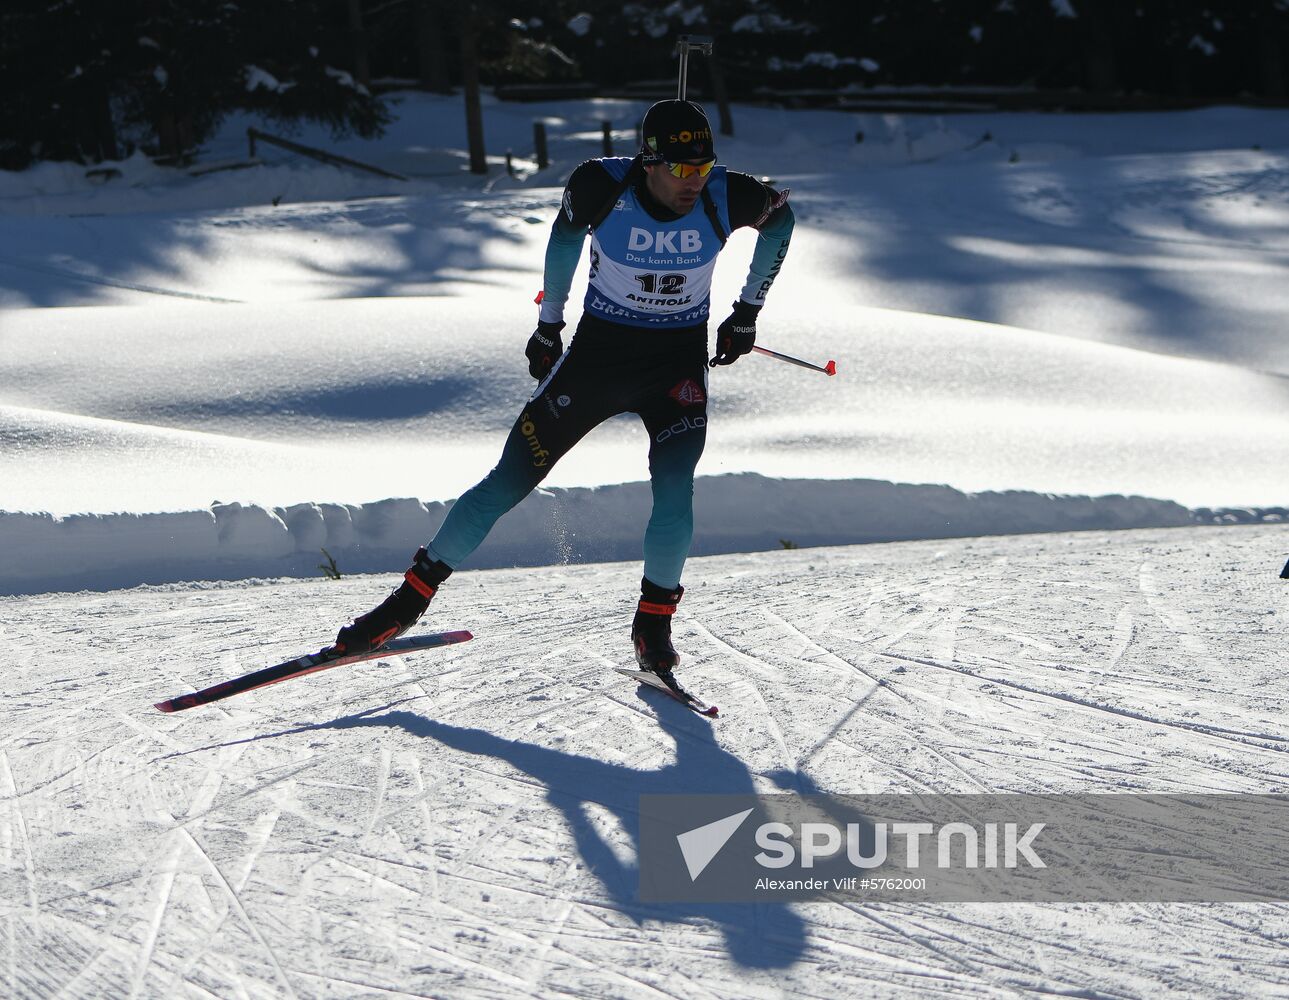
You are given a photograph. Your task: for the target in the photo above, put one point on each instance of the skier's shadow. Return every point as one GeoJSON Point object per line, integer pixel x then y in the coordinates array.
{"type": "Point", "coordinates": [758, 935]}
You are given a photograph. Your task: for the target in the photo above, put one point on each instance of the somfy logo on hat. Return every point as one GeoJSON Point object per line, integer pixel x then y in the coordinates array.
{"type": "Point", "coordinates": [677, 130]}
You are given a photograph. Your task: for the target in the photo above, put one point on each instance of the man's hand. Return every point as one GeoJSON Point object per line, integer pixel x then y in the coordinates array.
{"type": "Point", "coordinates": [544, 348]}
{"type": "Point", "coordinates": [737, 335]}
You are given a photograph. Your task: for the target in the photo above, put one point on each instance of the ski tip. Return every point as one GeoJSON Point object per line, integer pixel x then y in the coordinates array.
{"type": "Point", "coordinates": [177, 704]}
{"type": "Point", "coordinates": [830, 368]}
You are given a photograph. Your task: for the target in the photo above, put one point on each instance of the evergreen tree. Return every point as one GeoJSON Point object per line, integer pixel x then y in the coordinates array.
{"type": "Point", "coordinates": [92, 81]}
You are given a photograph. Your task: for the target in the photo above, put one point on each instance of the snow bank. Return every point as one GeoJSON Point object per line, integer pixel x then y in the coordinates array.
{"type": "Point", "coordinates": [733, 513]}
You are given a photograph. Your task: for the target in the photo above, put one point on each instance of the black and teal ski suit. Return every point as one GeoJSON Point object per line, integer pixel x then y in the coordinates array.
{"type": "Point", "coordinates": [640, 346]}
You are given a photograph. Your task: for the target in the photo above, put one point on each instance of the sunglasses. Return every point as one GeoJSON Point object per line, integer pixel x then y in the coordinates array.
{"type": "Point", "coordinates": [683, 170]}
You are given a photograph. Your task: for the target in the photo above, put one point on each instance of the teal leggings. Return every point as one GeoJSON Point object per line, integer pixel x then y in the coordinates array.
{"type": "Point", "coordinates": [607, 370]}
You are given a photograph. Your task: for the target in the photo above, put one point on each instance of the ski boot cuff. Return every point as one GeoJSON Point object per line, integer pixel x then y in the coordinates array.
{"type": "Point", "coordinates": [655, 600]}
{"type": "Point", "coordinates": [425, 575]}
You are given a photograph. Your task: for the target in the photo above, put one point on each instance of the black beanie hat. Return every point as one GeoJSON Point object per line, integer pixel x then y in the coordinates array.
{"type": "Point", "coordinates": [676, 131]}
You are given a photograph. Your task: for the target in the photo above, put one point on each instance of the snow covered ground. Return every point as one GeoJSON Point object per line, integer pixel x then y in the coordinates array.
{"type": "Point", "coordinates": [1167, 231]}
{"type": "Point", "coordinates": [463, 822]}
{"type": "Point", "coordinates": [1041, 323]}
{"type": "Point", "coordinates": [1084, 305]}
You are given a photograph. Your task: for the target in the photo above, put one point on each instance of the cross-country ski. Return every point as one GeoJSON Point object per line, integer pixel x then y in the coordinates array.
{"type": "Point", "coordinates": [651, 679]}
{"type": "Point", "coordinates": [310, 663]}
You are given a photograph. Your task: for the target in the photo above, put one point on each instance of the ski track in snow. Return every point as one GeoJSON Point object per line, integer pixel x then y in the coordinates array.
{"type": "Point", "coordinates": [463, 823]}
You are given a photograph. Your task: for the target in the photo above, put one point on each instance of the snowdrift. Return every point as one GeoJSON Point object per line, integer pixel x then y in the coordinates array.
{"type": "Point", "coordinates": [733, 513]}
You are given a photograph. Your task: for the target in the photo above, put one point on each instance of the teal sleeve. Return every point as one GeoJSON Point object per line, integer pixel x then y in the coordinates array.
{"type": "Point", "coordinates": [563, 250]}
{"type": "Point", "coordinates": [771, 248]}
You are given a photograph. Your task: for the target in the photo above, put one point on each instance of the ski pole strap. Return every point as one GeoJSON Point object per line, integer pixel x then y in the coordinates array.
{"type": "Point", "coordinates": [713, 216]}
{"type": "Point", "coordinates": [650, 608]}
{"type": "Point", "coordinates": [635, 170]}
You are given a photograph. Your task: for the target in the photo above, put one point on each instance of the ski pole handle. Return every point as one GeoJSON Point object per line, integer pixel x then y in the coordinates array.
{"type": "Point", "coordinates": [829, 369]}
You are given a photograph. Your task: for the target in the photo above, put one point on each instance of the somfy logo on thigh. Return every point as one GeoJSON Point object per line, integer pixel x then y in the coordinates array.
{"type": "Point", "coordinates": [984, 848]}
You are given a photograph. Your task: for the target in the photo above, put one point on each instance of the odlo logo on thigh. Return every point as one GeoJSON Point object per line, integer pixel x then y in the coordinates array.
{"type": "Point", "coordinates": [529, 430]}
{"type": "Point", "coordinates": [688, 393]}
{"type": "Point", "coordinates": [680, 426]}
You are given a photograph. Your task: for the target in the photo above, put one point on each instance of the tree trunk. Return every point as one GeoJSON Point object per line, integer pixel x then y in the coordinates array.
{"type": "Point", "coordinates": [1271, 72]}
{"type": "Point", "coordinates": [175, 137]}
{"type": "Point", "coordinates": [432, 64]}
{"type": "Point", "coordinates": [362, 67]}
{"type": "Point", "coordinates": [95, 130]}
{"type": "Point", "coordinates": [721, 94]}
{"type": "Point", "coordinates": [1099, 71]}
{"type": "Point", "coordinates": [470, 81]}
{"type": "Point", "coordinates": [1179, 59]}
{"type": "Point", "coordinates": [167, 137]}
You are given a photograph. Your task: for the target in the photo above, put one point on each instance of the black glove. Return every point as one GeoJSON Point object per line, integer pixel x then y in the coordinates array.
{"type": "Point", "coordinates": [736, 335]}
{"type": "Point", "coordinates": [544, 348]}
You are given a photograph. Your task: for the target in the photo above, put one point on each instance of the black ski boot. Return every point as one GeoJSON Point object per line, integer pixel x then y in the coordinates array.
{"type": "Point", "coordinates": [651, 630]}
{"type": "Point", "coordinates": [399, 611]}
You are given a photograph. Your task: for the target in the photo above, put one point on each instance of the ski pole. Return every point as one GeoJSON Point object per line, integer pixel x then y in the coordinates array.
{"type": "Point", "coordinates": [829, 369]}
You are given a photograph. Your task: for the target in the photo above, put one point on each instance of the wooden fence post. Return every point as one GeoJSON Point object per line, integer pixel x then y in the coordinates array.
{"type": "Point", "coordinates": [539, 144]}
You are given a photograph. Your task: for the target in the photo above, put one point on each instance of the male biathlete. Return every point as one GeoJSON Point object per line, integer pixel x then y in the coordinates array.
{"type": "Point", "coordinates": [657, 223]}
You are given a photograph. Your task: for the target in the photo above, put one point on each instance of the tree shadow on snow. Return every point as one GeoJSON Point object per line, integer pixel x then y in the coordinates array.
{"type": "Point", "coordinates": [763, 936]}
{"type": "Point", "coordinates": [361, 402]}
